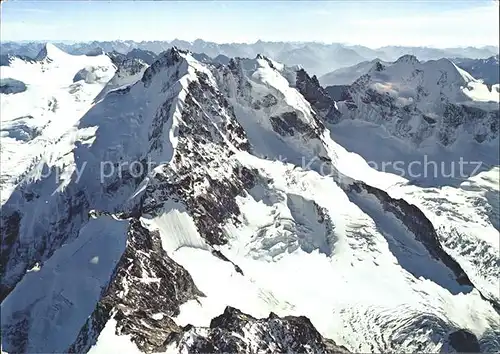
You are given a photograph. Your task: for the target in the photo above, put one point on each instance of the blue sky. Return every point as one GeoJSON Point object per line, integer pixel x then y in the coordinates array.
{"type": "Point", "coordinates": [370, 23]}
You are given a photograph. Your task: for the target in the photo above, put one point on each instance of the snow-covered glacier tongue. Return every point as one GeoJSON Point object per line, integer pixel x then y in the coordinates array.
{"type": "Point", "coordinates": [205, 208]}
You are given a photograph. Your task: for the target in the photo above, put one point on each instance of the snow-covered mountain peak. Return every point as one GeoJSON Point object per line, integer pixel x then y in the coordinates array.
{"type": "Point", "coordinates": [433, 80]}
{"type": "Point", "coordinates": [51, 52]}
{"type": "Point", "coordinates": [407, 59]}
{"type": "Point", "coordinates": [270, 87]}
{"type": "Point", "coordinates": [376, 67]}
{"type": "Point", "coordinates": [424, 99]}
{"type": "Point", "coordinates": [171, 57]}
{"type": "Point", "coordinates": [270, 62]}
{"type": "Point", "coordinates": [457, 74]}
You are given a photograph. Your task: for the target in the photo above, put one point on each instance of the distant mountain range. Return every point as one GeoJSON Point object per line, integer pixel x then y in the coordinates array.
{"type": "Point", "coordinates": [316, 58]}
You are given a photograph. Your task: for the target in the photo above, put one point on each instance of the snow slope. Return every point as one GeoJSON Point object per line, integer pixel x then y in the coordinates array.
{"type": "Point", "coordinates": [282, 251]}
{"type": "Point", "coordinates": [60, 88]}
{"type": "Point", "coordinates": [249, 205]}
{"type": "Point", "coordinates": [57, 308]}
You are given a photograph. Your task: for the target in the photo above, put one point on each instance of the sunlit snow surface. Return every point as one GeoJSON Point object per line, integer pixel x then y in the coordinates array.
{"type": "Point", "coordinates": [347, 281]}
{"type": "Point", "coordinates": [40, 123]}
{"type": "Point", "coordinates": [349, 273]}
{"type": "Point", "coordinates": [354, 290]}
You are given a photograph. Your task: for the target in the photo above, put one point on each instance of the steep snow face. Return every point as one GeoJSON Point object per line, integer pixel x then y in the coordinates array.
{"type": "Point", "coordinates": [424, 102]}
{"type": "Point", "coordinates": [54, 198]}
{"type": "Point", "coordinates": [38, 121]}
{"type": "Point", "coordinates": [249, 204]}
{"type": "Point", "coordinates": [50, 320]}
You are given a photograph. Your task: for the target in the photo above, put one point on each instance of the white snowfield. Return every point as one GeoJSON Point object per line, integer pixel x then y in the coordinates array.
{"type": "Point", "coordinates": [40, 122]}
{"type": "Point", "coordinates": [305, 244]}
{"type": "Point", "coordinates": [348, 272]}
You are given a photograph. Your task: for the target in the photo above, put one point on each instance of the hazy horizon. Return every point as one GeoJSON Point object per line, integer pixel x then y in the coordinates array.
{"type": "Point", "coordinates": [372, 24]}
{"type": "Point", "coordinates": [68, 41]}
